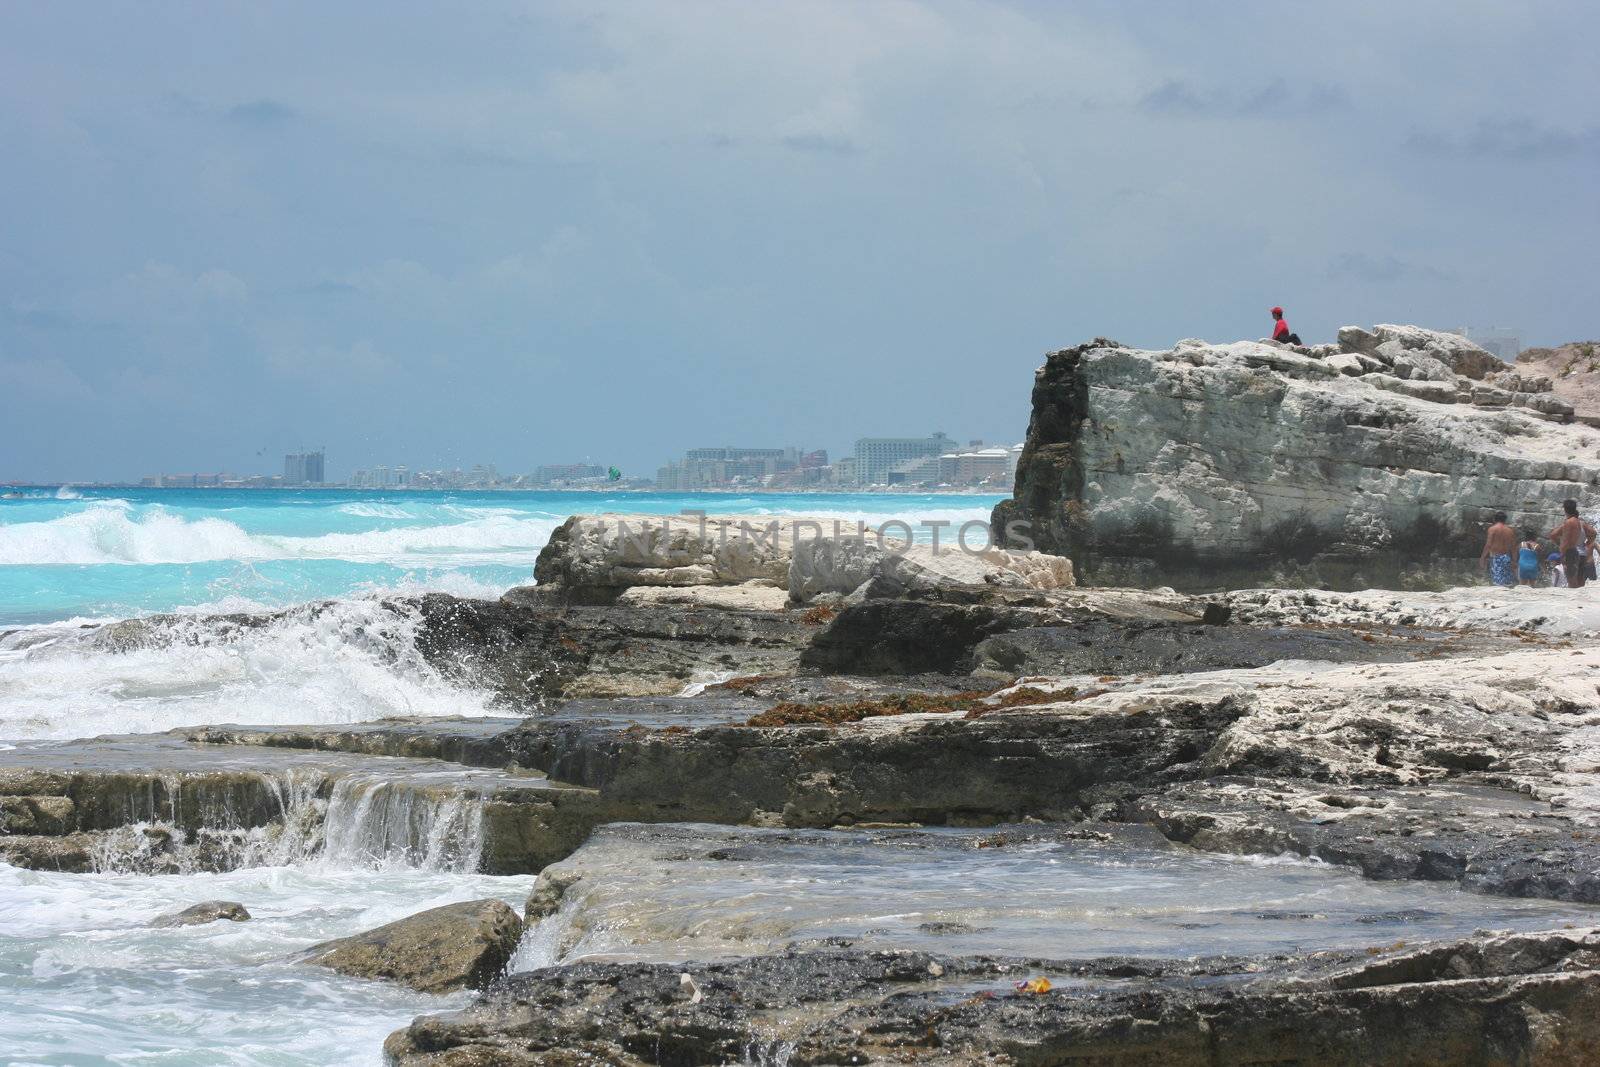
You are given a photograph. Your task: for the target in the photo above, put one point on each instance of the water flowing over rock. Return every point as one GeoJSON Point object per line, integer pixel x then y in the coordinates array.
{"type": "Point", "coordinates": [167, 805]}
{"type": "Point", "coordinates": [457, 946]}
{"type": "Point", "coordinates": [1227, 464]}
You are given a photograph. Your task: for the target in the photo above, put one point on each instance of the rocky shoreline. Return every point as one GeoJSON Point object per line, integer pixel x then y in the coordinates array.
{"type": "Point", "coordinates": [683, 713]}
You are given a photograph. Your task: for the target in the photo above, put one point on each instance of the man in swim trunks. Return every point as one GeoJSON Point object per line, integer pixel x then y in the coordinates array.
{"type": "Point", "coordinates": [1497, 547]}
{"type": "Point", "coordinates": [1569, 536]}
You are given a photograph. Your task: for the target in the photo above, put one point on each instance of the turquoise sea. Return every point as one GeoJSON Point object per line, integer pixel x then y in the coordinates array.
{"type": "Point", "coordinates": [112, 553]}
{"type": "Point", "coordinates": [84, 978]}
{"type": "Point", "coordinates": [343, 652]}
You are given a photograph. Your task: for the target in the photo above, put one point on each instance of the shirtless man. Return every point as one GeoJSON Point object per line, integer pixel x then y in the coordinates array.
{"type": "Point", "coordinates": [1497, 549]}
{"type": "Point", "coordinates": [1572, 533]}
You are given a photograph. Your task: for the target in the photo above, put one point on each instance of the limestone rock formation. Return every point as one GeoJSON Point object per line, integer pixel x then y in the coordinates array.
{"type": "Point", "coordinates": [592, 558]}
{"type": "Point", "coordinates": [1571, 372]}
{"type": "Point", "coordinates": [435, 951]}
{"type": "Point", "coordinates": [846, 565]}
{"type": "Point", "coordinates": [739, 562]}
{"type": "Point", "coordinates": [1245, 463]}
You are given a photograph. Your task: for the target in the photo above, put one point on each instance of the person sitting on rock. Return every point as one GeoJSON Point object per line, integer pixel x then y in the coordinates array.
{"type": "Point", "coordinates": [1569, 536]}
{"type": "Point", "coordinates": [1280, 329]}
{"type": "Point", "coordinates": [1528, 558]}
{"type": "Point", "coordinates": [1497, 548]}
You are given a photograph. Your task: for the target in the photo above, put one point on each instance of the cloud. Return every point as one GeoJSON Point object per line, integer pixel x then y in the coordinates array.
{"type": "Point", "coordinates": [1382, 269]}
{"type": "Point", "coordinates": [1518, 137]}
{"type": "Point", "coordinates": [1177, 97]}
{"type": "Point", "coordinates": [260, 114]}
{"type": "Point", "coordinates": [833, 145]}
{"type": "Point", "coordinates": [360, 363]}
{"type": "Point", "coordinates": [43, 379]}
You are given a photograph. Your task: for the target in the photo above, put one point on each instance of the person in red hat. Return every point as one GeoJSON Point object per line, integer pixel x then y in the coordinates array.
{"type": "Point", "coordinates": [1280, 329]}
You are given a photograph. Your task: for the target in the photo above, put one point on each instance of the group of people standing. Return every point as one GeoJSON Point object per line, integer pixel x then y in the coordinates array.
{"type": "Point", "coordinates": [1571, 564]}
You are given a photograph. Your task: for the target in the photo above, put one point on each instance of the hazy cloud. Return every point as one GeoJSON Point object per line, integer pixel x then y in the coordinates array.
{"type": "Point", "coordinates": [1276, 98]}
{"type": "Point", "coordinates": [1510, 138]}
{"type": "Point", "coordinates": [1382, 269]}
{"type": "Point", "coordinates": [522, 233]}
{"type": "Point", "coordinates": [261, 114]}
{"type": "Point", "coordinates": [823, 143]}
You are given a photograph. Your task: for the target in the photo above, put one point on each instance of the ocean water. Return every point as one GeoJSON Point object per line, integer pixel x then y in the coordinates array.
{"type": "Point", "coordinates": [72, 558]}
{"type": "Point", "coordinates": [113, 553]}
{"type": "Point", "coordinates": [84, 979]}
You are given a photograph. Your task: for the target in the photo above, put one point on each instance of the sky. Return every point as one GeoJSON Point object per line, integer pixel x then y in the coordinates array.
{"type": "Point", "coordinates": [525, 233]}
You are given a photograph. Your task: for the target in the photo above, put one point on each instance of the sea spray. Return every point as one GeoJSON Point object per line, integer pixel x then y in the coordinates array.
{"type": "Point", "coordinates": [342, 662]}
{"type": "Point", "coordinates": [116, 532]}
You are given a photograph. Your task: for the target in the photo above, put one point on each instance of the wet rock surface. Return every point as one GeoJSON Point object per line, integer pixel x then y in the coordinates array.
{"type": "Point", "coordinates": [1499, 1001]}
{"type": "Point", "coordinates": [439, 950]}
{"type": "Point", "coordinates": [207, 911]}
{"type": "Point", "coordinates": [527, 650]}
{"type": "Point", "coordinates": [1488, 839]}
{"type": "Point", "coordinates": [1097, 646]}
{"type": "Point", "coordinates": [1431, 743]}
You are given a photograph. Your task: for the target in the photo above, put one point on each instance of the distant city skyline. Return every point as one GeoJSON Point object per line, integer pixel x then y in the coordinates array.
{"type": "Point", "coordinates": [612, 232]}
{"type": "Point", "coordinates": [937, 459]}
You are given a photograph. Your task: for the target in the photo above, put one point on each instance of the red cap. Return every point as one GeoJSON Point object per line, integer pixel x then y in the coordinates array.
{"type": "Point", "coordinates": [1277, 311]}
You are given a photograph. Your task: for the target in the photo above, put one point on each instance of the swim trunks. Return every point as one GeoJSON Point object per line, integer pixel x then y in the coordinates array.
{"type": "Point", "coordinates": [1572, 563]}
{"type": "Point", "coordinates": [1500, 572]}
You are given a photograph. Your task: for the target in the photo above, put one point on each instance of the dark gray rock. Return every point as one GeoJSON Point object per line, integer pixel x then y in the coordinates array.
{"type": "Point", "coordinates": [207, 911]}
{"type": "Point", "coordinates": [910, 636]}
{"type": "Point", "coordinates": [1117, 647]}
{"type": "Point", "coordinates": [527, 650]}
{"type": "Point", "coordinates": [1489, 840]}
{"type": "Point", "coordinates": [1531, 999]}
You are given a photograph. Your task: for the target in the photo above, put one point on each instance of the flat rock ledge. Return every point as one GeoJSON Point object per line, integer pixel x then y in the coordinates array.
{"type": "Point", "coordinates": [1500, 1001]}
{"type": "Point", "coordinates": [440, 950]}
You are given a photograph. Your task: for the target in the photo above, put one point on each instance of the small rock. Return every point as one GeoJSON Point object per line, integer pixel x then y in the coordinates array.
{"type": "Point", "coordinates": [436, 951]}
{"type": "Point", "coordinates": [207, 911]}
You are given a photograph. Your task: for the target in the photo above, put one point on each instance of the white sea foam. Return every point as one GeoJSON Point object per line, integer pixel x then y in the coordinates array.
{"type": "Point", "coordinates": [351, 661]}
{"type": "Point", "coordinates": [107, 533]}
{"type": "Point", "coordinates": [86, 979]}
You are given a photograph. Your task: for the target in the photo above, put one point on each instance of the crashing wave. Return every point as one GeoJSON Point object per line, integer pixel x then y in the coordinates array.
{"type": "Point", "coordinates": [339, 662]}
{"type": "Point", "coordinates": [108, 532]}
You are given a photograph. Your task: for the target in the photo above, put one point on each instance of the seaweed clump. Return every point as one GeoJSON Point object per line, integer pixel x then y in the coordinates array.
{"type": "Point", "coordinates": [975, 703]}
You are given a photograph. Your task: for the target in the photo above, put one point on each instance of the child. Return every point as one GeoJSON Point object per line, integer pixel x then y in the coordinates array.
{"type": "Point", "coordinates": [1528, 558]}
{"type": "Point", "coordinates": [1558, 574]}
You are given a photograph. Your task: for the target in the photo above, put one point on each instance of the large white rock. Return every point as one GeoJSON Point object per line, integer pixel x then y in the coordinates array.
{"type": "Point", "coordinates": [617, 551]}
{"type": "Point", "coordinates": [1225, 464]}
{"type": "Point", "coordinates": [1454, 351]}
{"type": "Point", "coordinates": [923, 568]}
{"type": "Point", "coordinates": [760, 561]}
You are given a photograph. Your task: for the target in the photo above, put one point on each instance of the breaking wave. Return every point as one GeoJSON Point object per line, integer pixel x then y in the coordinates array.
{"type": "Point", "coordinates": [109, 533]}
{"type": "Point", "coordinates": [348, 661]}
